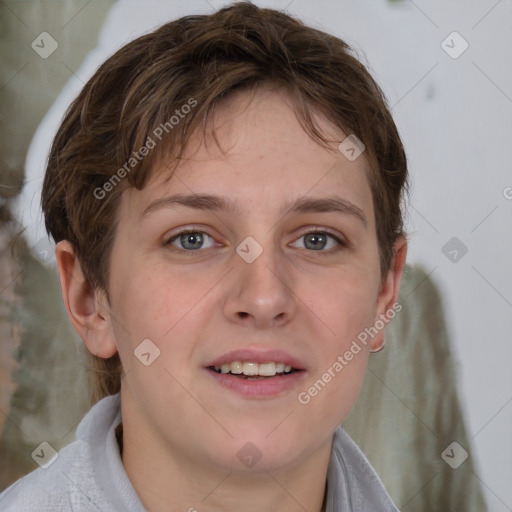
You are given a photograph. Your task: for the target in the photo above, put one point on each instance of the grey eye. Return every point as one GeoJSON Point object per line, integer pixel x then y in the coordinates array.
{"type": "Point", "coordinates": [319, 240]}
{"type": "Point", "coordinates": [315, 240]}
{"type": "Point", "coordinates": [190, 240]}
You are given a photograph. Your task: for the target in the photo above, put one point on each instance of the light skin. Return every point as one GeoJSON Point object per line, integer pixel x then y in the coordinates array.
{"type": "Point", "coordinates": [181, 429]}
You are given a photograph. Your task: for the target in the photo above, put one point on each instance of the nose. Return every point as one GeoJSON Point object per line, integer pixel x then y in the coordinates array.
{"type": "Point", "coordinates": [259, 293]}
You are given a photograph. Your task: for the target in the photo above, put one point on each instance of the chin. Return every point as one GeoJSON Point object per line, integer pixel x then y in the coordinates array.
{"type": "Point", "coordinates": [258, 452]}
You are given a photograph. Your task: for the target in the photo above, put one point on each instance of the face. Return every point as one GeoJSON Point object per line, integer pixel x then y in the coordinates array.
{"type": "Point", "coordinates": [257, 302]}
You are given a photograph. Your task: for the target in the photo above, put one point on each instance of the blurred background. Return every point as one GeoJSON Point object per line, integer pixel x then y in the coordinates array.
{"type": "Point", "coordinates": [445, 375]}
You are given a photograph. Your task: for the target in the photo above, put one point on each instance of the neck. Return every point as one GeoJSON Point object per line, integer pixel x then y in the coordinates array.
{"type": "Point", "coordinates": [166, 480]}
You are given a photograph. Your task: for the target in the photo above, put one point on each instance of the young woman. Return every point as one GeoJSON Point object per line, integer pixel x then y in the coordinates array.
{"type": "Point", "coordinates": [225, 194]}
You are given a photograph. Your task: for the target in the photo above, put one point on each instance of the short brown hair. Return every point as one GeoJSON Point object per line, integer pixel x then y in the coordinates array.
{"type": "Point", "coordinates": [199, 61]}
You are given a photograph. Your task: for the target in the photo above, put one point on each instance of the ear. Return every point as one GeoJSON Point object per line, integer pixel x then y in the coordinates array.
{"type": "Point", "coordinates": [87, 308]}
{"type": "Point", "coordinates": [387, 298]}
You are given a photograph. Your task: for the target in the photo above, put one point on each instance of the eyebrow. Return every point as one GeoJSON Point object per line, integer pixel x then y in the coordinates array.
{"type": "Point", "coordinates": [227, 205]}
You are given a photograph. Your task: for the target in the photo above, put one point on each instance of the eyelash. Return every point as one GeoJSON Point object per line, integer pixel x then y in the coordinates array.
{"type": "Point", "coordinates": [342, 244]}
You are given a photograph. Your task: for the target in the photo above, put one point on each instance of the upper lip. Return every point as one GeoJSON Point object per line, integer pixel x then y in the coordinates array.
{"type": "Point", "coordinates": [258, 356]}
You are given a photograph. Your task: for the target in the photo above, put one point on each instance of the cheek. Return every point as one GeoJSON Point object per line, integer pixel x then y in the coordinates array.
{"type": "Point", "coordinates": [346, 307]}
{"type": "Point", "coordinates": [172, 308]}
{"type": "Point", "coordinates": [345, 303]}
{"type": "Point", "coordinates": [152, 300]}
{"type": "Point", "coordinates": [151, 303]}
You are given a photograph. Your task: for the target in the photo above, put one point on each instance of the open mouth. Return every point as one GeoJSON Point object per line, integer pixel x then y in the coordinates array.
{"type": "Point", "coordinates": [254, 371]}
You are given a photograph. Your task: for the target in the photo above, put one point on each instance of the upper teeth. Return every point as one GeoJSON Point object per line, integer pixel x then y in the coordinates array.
{"type": "Point", "coordinates": [249, 368]}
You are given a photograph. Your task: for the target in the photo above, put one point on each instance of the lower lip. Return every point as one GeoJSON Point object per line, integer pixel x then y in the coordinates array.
{"type": "Point", "coordinates": [260, 388]}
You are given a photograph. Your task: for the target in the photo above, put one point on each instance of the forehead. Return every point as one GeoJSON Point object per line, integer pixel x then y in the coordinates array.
{"type": "Point", "coordinates": [265, 157]}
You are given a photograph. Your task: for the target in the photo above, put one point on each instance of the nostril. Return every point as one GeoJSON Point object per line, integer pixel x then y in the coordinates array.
{"type": "Point", "coordinates": [243, 314]}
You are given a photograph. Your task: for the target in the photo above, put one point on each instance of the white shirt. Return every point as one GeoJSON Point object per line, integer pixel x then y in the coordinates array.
{"type": "Point", "coordinates": [88, 474]}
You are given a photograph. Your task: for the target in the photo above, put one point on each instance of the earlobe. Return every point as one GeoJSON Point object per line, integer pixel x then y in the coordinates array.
{"type": "Point", "coordinates": [378, 343]}
{"type": "Point", "coordinates": [387, 300]}
{"type": "Point", "coordinates": [85, 306]}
